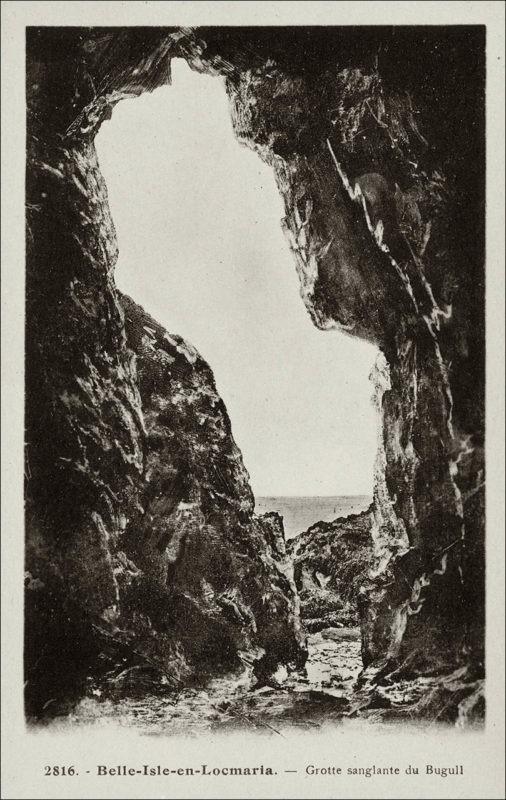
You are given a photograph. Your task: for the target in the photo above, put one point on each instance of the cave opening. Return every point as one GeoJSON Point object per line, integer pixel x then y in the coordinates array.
{"type": "Point", "coordinates": [134, 535]}
{"type": "Point", "coordinates": [201, 248]}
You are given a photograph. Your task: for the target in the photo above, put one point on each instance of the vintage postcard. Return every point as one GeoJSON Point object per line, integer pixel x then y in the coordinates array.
{"type": "Point", "coordinates": [253, 403]}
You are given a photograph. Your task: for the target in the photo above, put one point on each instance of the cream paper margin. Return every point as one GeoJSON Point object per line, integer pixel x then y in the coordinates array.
{"type": "Point", "coordinates": [25, 754]}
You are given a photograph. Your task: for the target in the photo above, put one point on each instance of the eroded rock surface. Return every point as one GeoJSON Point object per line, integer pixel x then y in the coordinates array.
{"type": "Point", "coordinates": [331, 563]}
{"type": "Point", "coordinates": [399, 262]}
{"type": "Point", "coordinates": [213, 576]}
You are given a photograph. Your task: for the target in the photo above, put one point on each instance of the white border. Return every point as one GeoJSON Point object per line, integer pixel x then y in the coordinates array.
{"type": "Point", "coordinates": [24, 754]}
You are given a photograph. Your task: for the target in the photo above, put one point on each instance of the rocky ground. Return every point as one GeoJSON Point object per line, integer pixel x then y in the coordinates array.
{"type": "Point", "coordinates": [307, 699]}
{"type": "Point", "coordinates": [330, 691]}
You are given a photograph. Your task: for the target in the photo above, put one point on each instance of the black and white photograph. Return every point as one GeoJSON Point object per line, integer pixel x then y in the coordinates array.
{"type": "Point", "coordinates": [254, 392]}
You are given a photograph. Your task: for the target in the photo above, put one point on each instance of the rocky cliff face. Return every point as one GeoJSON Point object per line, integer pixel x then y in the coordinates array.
{"type": "Point", "coordinates": [212, 575]}
{"type": "Point", "coordinates": [331, 563]}
{"type": "Point", "coordinates": [376, 140]}
{"type": "Point", "coordinates": [191, 581]}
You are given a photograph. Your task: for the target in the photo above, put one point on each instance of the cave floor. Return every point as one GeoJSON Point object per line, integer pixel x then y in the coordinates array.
{"type": "Point", "coordinates": [321, 696]}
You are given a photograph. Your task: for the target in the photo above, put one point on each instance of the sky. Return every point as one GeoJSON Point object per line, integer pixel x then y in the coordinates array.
{"type": "Point", "coordinates": [201, 248]}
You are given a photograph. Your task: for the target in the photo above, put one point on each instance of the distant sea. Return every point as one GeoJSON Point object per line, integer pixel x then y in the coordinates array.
{"type": "Point", "coordinates": [299, 513]}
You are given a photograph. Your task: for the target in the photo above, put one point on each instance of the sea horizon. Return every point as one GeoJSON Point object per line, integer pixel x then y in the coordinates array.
{"type": "Point", "coordinates": [299, 512]}
{"type": "Point", "coordinates": [309, 496]}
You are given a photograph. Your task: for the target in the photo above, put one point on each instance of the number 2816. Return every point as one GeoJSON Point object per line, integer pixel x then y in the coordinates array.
{"type": "Point", "coordinates": [60, 771]}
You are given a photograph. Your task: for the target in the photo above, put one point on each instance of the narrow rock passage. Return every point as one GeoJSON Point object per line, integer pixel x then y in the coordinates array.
{"type": "Point", "coordinates": [321, 696]}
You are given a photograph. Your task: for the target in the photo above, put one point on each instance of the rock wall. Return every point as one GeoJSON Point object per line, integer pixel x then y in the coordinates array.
{"type": "Point", "coordinates": [212, 576]}
{"type": "Point", "coordinates": [376, 139]}
{"type": "Point", "coordinates": [331, 563]}
{"type": "Point", "coordinates": [142, 548]}
{"type": "Point", "coordinates": [196, 583]}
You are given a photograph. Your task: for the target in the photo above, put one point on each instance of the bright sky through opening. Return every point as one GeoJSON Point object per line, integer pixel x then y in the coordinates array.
{"type": "Point", "coordinates": [202, 250]}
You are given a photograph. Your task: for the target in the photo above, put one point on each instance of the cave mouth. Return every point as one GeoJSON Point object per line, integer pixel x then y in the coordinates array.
{"type": "Point", "coordinates": [426, 584]}
{"type": "Point", "coordinates": [202, 250]}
